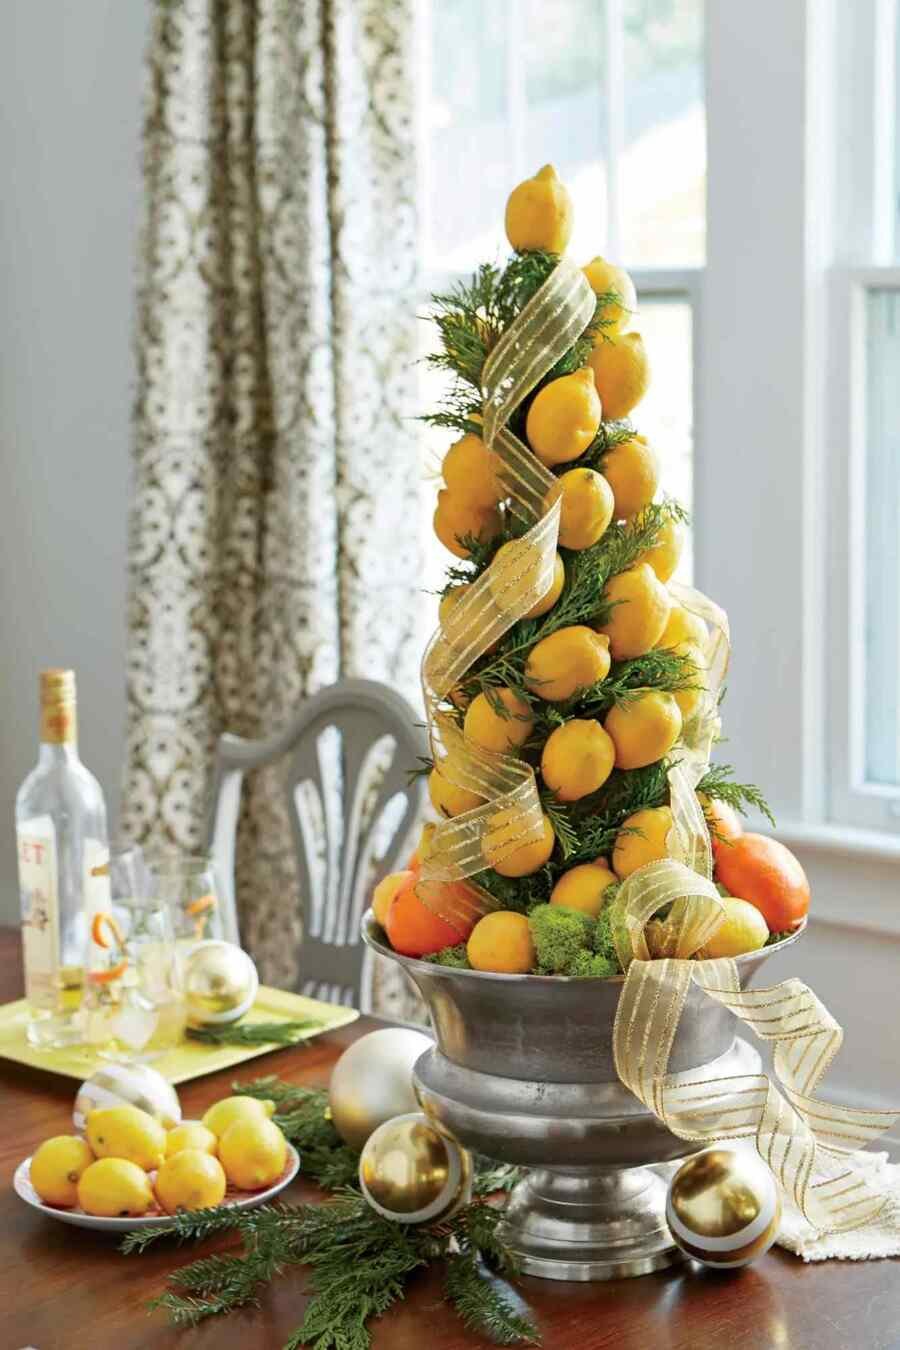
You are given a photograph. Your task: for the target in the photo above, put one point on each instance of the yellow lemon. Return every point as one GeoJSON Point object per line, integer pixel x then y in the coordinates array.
{"type": "Point", "coordinates": [621, 373]}
{"type": "Point", "coordinates": [500, 848]}
{"type": "Point", "coordinates": [689, 700]}
{"type": "Point", "coordinates": [115, 1188]}
{"type": "Point", "coordinates": [470, 472]}
{"type": "Point", "coordinates": [568, 660]}
{"type": "Point", "coordinates": [564, 418]}
{"type": "Point", "coordinates": [539, 213]}
{"type": "Point", "coordinates": [253, 1153]}
{"type": "Point", "coordinates": [577, 758]}
{"type": "Point", "coordinates": [455, 519]}
{"type": "Point", "coordinates": [192, 1135]}
{"type": "Point", "coordinates": [191, 1179]}
{"type": "Point", "coordinates": [641, 839]}
{"type": "Point", "coordinates": [632, 470]}
{"type": "Point", "coordinates": [645, 728]}
{"type": "Point", "coordinates": [586, 508]}
{"type": "Point", "coordinates": [126, 1132]}
{"type": "Point", "coordinates": [230, 1109]}
{"type": "Point", "coordinates": [583, 887]}
{"type": "Point", "coordinates": [607, 279]}
{"type": "Point", "coordinates": [640, 610]}
{"type": "Point", "coordinates": [501, 942]}
{"type": "Point", "coordinates": [492, 729]}
{"type": "Point", "coordinates": [56, 1169]}
{"type": "Point", "coordinates": [664, 556]}
{"type": "Point", "coordinates": [683, 626]}
{"type": "Point", "coordinates": [448, 799]}
{"type": "Point", "coordinates": [518, 573]}
{"type": "Point", "coordinates": [743, 929]}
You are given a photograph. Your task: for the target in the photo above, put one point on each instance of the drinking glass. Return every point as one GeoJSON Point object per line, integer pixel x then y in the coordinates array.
{"type": "Point", "coordinates": [188, 887]}
{"type": "Point", "coordinates": [133, 1006]}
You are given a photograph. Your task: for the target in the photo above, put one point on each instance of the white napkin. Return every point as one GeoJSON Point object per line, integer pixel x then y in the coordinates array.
{"type": "Point", "coordinates": [880, 1238]}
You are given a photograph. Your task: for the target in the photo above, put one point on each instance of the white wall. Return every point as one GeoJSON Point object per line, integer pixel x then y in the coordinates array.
{"type": "Point", "coordinates": [70, 109]}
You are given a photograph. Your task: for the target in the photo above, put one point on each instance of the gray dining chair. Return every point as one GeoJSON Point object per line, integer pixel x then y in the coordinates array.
{"type": "Point", "coordinates": [352, 804]}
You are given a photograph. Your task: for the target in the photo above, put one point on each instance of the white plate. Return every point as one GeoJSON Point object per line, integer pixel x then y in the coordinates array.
{"type": "Point", "coordinates": [237, 1199]}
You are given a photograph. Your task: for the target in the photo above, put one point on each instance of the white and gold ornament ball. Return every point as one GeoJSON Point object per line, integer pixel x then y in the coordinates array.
{"type": "Point", "coordinates": [220, 983]}
{"type": "Point", "coordinates": [411, 1171]}
{"type": "Point", "coordinates": [128, 1085]}
{"type": "Point", "coordinates": [372, 1082]}
{"type": "Point", "coordinates": [724, 1207]}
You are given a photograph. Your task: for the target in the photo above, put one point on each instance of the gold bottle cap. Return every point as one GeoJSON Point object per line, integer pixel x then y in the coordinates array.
{"type": "Point", "coordinates": [57, 685]}
{"type": "Point", "coordinates": [58, 706]}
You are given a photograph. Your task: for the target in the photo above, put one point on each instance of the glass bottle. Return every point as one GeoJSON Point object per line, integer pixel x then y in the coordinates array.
{"type": "Point", "coordinates": [63, 867]}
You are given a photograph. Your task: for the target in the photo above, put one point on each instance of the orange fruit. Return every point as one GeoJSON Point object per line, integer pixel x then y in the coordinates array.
{"type": "Point", "coordinates": [763, 871]}
{"type": "Point", "coordinates": [415, 930]}
{"type": "Point", "coordinates": [385, 891]}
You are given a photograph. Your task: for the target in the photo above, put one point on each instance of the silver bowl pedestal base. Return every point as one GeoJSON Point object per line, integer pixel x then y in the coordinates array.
{"type": "Point", "coordinates": [599, 1225]}
{"type": "Point", "coordinates": [592, 1209]}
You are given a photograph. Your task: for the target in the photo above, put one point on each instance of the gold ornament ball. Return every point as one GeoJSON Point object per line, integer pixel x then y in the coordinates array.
{"type": "Point", "coordinates": [372, 1082]}
{"type": "Point", "coordinates": [410, 1171]}
{"type": "Point", "coordinates": [220, 983]}
{"type": "Point", "coordinates": [724, 1207]}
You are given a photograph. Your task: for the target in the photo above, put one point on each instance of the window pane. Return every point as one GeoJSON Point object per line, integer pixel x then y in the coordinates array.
{"type": "Point", "coordinates": [516, 84]}
{"type": "Point", "coordinates": [665, 415]}
{"type": "Point", "coordinates": [468, 168]}
{"type": "Point", "coordinates": [564, 123]}
{"type": "Point", "coordinates": [663, 168]}
{"type": "Point", "coordinates": [882, 533]}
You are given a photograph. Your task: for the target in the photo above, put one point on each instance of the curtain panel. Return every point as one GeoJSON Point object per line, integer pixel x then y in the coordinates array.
{"type": "Point", "coordinates": [274, 544]}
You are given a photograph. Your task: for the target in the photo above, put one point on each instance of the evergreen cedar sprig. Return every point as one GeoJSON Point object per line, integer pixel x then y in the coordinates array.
{"type": "Point", "coordinates": [359, 1260]}
{"type": "Point", "coordinates": [254, 1033]}
{"type": "Point", "coordinates": [718, 782]}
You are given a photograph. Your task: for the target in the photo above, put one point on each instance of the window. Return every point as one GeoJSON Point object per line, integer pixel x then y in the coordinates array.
{"type": "Point", "coordinates": [611, 92]}
{"type": "Point", "coordinates": [866, 771]}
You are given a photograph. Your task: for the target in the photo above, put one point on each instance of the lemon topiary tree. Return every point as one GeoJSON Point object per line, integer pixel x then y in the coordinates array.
{"type": "Point", "coordinates": [598, 683]}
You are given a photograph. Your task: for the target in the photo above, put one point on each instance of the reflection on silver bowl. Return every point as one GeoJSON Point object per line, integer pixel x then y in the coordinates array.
{"type": "Point", "coordinates": [523, 1071]}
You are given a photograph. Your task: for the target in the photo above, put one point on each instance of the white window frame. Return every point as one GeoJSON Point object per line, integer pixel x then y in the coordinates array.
{"type": "Point", "coordinates": [865, 247]}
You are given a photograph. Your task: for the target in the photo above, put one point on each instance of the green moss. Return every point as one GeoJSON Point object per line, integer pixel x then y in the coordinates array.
{"type": "Point", "coordinates": [451, 956]}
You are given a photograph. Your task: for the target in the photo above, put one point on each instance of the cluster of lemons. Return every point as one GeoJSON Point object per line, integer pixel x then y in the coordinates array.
{"type": "Point", "coordinates": [562, 422]}
{"type": "Point", "coordinates": [128, 1163]}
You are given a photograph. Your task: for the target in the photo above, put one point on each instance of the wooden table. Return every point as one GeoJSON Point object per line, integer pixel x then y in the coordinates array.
{"type": "Point", "coordinates": [64, 1288]}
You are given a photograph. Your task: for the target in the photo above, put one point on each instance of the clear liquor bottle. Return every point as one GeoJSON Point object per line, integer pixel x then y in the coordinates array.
{"type": "Point", "coordinates": [63, 867]}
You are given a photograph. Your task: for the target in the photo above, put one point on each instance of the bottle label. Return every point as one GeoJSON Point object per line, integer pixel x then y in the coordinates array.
{"type": "Point", "coordinates": [40, 917]}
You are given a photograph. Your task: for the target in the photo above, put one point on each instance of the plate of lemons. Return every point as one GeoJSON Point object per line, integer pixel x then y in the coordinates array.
{"type": "Point", "coordinates": [127, 1171]}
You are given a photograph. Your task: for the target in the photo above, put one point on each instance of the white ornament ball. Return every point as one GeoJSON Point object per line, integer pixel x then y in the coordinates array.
{"type": "Point", "coordinates": [128, 1085]}
{"type": "Point", "coordinates": [724, 1207]}
{"type": "Point", "coordinates": [372, 1082]}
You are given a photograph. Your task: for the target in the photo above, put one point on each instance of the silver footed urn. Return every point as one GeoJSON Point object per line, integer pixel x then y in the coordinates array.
{"type": "Point", "coordinates": [523, 1072]}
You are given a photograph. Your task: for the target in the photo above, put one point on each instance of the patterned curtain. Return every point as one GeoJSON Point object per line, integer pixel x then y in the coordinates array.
{"type": "Point", "coordinates": [273, 545]}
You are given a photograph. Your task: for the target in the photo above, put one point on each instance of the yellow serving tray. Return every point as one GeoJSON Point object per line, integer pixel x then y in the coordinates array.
{"type": "Point", "coordinates": [191, 1059]}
